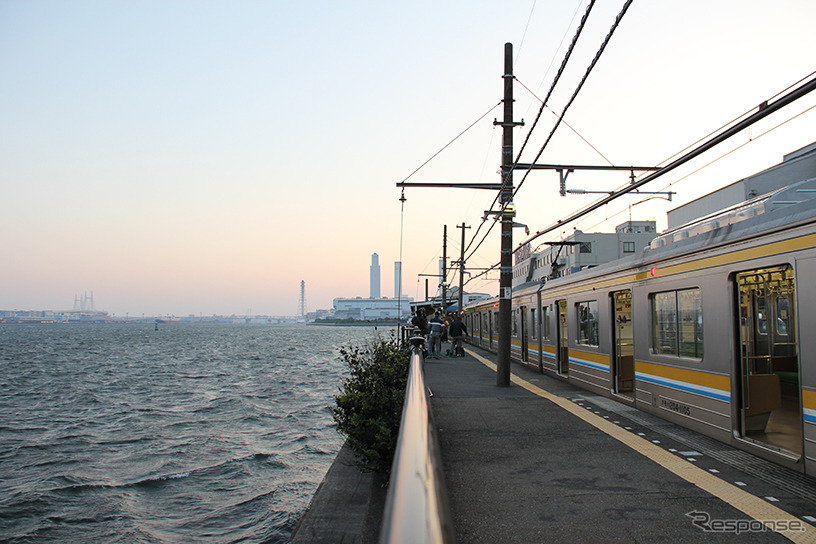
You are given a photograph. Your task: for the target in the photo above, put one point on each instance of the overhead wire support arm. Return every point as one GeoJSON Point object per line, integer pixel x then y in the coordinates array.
{"type": "Point", "coordinates": [669, 194]}
{"type": "Point", "coordinates": [465, 185]}
{"type": "Point", "coordinates": [528, 166]}
{"type": "Point", "coordinates": [565, 170]}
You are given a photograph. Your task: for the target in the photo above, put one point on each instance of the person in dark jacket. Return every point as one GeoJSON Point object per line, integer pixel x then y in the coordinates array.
{"type": "Point", "coordinates": [456, 331]}
{"type": "Point", "coordinates": [420, 322]}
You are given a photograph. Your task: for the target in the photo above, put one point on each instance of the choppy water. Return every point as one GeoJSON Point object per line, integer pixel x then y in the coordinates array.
{"type": "Point", "coordinates": [193, 433]}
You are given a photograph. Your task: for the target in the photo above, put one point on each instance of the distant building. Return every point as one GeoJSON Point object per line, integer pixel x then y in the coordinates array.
{"type": "Point", "coordinates": [375, 276]}
{"type": "Point", "coordinates": [318, 314]}
{"type": "Point", "coordinates": [581, 250]}
{"type": "Point", "coordinates": [451, 301]}
{"type": "Point", "coordinates": [371, 308]}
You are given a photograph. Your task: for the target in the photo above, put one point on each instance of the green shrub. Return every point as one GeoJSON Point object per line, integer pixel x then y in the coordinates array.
{"type": "Point", "coordinates": [369, 407]}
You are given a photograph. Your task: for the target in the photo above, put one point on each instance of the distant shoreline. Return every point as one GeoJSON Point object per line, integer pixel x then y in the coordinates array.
{"type": "Point", "coordinates": [354, 324]}
{"type": "Point", "coordinates": [152, 321]}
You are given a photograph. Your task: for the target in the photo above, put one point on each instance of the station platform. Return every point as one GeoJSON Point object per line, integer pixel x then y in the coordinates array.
{"type": "Point", "coordinates": [543, 461]}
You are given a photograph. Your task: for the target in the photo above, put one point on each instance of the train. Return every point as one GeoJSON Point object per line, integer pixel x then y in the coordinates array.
{"type": "Point", "coordinates": [710, 327]}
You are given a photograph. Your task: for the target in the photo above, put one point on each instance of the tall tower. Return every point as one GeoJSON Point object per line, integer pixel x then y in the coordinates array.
{"type": "Point", "coordinates": [375, 276]}
{"type": "Point", "coordinates": [398, 279]}
{"type": "Point", "coordinates": [302, 301]}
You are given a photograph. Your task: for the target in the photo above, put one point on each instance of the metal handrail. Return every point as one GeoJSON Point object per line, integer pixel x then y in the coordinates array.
{"type": "Point", "coordinates": [416, 507]}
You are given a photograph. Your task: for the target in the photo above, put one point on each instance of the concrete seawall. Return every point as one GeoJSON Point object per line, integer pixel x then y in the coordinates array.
{"type": "Point", "coordinates": [347, 507]}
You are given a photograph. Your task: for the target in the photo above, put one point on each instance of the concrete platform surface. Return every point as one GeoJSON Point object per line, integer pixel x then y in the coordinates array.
{"type": "Point", "coordinates": [521, 468]}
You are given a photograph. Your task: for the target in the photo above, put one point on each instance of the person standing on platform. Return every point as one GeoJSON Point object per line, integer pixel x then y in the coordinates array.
{"type": "Point", "coordinates": [456, 331]}
{"type": "Point", "coordinates": [437, 326]}
{"type": "Point", "coordinates": [420, 322]}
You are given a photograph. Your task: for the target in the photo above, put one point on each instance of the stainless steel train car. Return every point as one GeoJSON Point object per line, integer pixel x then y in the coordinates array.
{"type": "Point", "coordinates": [710, 327]}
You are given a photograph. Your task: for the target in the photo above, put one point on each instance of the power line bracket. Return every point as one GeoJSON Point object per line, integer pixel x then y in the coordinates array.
{"type": "Point", "coordinates": [562, 174]}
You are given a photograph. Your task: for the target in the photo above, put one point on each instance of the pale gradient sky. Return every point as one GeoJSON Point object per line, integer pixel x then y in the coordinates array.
{"type": "Point", "coordinates": [179, 157]}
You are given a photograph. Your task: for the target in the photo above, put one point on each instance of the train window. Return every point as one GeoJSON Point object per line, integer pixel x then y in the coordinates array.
{"type": "Point", "coordinates": [664, 323]}
{"type": "Point", "coordinates": [545, 323]}
{"type": "Point", "coordinates": [587, 313]}
{"type": "Point", "coordinates": [782, 315]}
{"type": "Point", "coordinates": [761, 311]}
{"type": "Point", "coordinates": [533, 324]}
{"type": "Point", "coordinates": [514, 323]}
{"type": "Point", "coordinates": [677, 323]}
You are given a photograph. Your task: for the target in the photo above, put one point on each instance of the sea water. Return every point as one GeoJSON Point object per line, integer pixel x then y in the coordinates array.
{"type": "Point", "coordinates": [190, 433]}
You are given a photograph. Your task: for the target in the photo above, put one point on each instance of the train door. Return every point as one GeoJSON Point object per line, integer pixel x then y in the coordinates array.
{"type": "Point", "coordinates": [535, 331]}
{"type": "Point", "coordinates": [770, 409]}
{"type": "Point", "coordinates": [494, 330]}
{"type": "Point", "coordinates": [480, 336]}
{"type": "Point", "coordinates": [623, 357]}
{"type": "Point", "coordinates": [489, 318]}
{"type": "Point", "coordinates": [562, 353]}
{"type": "Point", "coordinates": [524, 331]}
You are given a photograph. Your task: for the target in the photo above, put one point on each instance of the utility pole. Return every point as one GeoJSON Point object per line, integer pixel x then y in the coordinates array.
{"type": "Point", "coordinates": [461, 265]}
{"type": "Point", "coordinates": [507, 213]}
{"type": "Point", "coordinates": [444, 271]}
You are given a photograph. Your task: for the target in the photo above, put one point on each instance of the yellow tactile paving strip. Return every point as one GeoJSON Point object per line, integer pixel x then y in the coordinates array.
{"type": "Point", "coordinates": [743, 501]}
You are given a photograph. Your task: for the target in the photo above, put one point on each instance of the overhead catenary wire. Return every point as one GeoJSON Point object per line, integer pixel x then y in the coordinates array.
{"type": "Point", "coordinates": [566, 58]}
{"type": "Point", "coordinates": [767, 109]}
{"type": "Point", "coordinates": [652, 176]}
{"type": "Point", "coordinates": [577, 90]}
{"type": "Point", "coordinates": [706, 165]}
{"type": "Point", "coordinates": [557, 49]}
{"type": "Point", "coordinates": [595, 149]}
{"type": "Point", "coordinates": [737, 148]}
{"type": "Point", "coordinates": [561, 69]}
{"type": "Point", "coordinates": [737, 118]}
{"type": "Point", "coordinates": [557, 78]}
{"type": "Point", "coordinates": [474, 123]}
{"type": "Point", "coordinates": [723, 127]}
{"type": "Point", "coordinates": [524, 34]}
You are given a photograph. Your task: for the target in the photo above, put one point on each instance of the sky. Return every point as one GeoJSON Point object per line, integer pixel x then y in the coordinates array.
{"type": "Point", "coordinates": [205, 157]}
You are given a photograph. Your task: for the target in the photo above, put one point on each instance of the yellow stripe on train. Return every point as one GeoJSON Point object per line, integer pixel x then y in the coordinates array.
{"type": "Point", "coordinates": [714, 386]}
